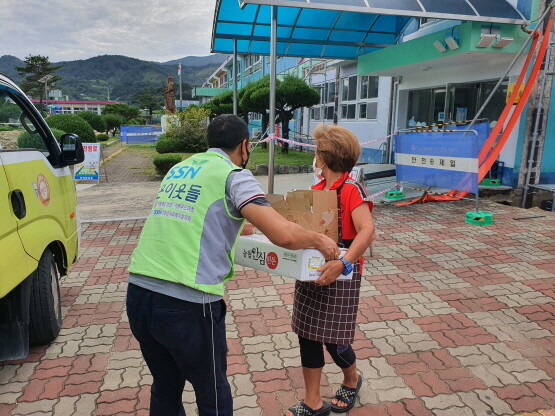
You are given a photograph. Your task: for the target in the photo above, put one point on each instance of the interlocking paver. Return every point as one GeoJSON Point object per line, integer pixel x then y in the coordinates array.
{"type": "Point", "coordinates": [454, 320]}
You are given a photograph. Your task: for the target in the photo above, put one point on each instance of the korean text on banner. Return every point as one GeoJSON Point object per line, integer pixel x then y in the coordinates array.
{"type": "Point", "coordinates": [445, 160]}
{"type": "Point", "coordinates": [140, 134]}
{"type": "Point", "coordinates": [89, 170]}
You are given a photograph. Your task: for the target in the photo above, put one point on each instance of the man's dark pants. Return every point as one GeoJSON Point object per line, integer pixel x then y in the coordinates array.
{"type": "Point", "coordinates": [181, 341]}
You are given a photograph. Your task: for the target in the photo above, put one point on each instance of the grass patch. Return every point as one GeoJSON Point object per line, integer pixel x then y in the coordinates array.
{"type": "Point", "coordinates": [260, 156]}
{"type": "Point", "coordinates": [149, 151]}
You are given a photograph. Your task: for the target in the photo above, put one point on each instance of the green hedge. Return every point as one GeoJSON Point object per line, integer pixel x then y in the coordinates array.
{"type": "Point", "coordinates": [28, 141]}
{"type": "Point", "coordinates": [72, 123]}
{"type": "Point", "coordinates": [94, 120]}
{"type": "Point", "coordinates": [192, 137]}
{"type": "Point", "coordinates": [165, 144]}
{"type": "Point", "coordinates": [163, 163]}
{"type": "Point", "coordinates": [102, 137]}
{"type": "Point", "coordinates": [136, 122]}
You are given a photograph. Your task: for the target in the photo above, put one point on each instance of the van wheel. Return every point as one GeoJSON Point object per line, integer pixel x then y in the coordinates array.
{"type": "Point", "coordinates": [45, 318]}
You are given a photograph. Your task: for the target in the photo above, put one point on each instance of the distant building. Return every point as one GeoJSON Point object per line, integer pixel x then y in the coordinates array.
{"type": "Point", "coordinates": [185, 103]}
{"type": "Point", "coordinates": [72, 107]}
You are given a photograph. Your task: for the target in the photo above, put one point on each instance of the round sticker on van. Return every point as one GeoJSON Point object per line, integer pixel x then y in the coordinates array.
{"type": "Point", "coordinates": [42, 189]}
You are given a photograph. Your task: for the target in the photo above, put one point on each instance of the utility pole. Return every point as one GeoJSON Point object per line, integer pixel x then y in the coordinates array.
{"type": "Point", "coordinates": [180, 87]}
{"type": "Point", "coordinates": [45, 80]}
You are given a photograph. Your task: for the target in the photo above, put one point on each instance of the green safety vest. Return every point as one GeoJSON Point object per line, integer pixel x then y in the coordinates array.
{"type": "Point", "coordinates": [190, 235]}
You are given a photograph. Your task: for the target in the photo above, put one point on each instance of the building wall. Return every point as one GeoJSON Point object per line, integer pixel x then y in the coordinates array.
{"type": "Point", "coordinates": [366, 130]}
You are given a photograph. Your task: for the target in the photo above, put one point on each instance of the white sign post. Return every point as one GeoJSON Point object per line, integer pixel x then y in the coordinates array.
{"type": "Point", "coordinates": [89, 170]}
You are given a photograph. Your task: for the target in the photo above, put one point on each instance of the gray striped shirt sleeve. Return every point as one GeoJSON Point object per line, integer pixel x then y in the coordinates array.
{"type": "Point", "coordinates": [242, 189]}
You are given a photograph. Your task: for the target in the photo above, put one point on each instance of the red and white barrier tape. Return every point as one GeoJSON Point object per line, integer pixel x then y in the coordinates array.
{"type": "Point", "coordinates": [380, 193]}
{"type": "Point", "coordinates": [281, 139]}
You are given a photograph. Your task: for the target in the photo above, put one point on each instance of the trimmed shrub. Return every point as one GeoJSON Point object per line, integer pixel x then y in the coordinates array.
{"type": "Point", "coordinates": [113, 121]}
{"type": "Point", "coordinates": [72, 123]}
{"type": "Point", "coordinates": [165, 144]}
{"type": "Point", "coordinates": [6, 128]}
{"type": "Point", "coordinates": [136, 122]}
{"type": "Point", "coordinates": [193, 138]}
{"type": "Point", "coordinates": [94, 120]}
{"type": "Point", "coordinates": [33, 141]}
{"type": "Point", "coordinates": [163, 163]}
{"type": "Point", "coordinates": [102, 137]}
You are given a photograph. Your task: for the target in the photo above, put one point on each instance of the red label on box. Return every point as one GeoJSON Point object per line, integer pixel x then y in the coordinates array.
{"type": "Point", "coordinates": [272, 260]}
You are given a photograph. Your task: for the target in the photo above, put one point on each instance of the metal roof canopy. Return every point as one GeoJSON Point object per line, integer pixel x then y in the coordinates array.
{"type": "Point", "coordinates": [340, 29]}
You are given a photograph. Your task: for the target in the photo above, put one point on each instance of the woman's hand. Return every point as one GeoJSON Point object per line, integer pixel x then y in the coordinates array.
{"type": "Point", "coordinates": [330, 272]}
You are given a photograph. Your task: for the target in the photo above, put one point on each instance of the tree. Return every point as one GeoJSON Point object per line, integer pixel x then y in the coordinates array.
{"type": "Point", "coordinates": [150, 98]}
{"type": "Point", "coordinates": [222, 104]}
{"type": "Point", "coordinates": [96, 121]}
{"type": "Point", "coordinates": [35, 68]}
{"type": "Point", "coordinates": [291, 94]}
{"type": "Point", "coordinates": [123, 110]}
{"type": "Point", "coordinates": [113, 121]}
{"type": "Point", "coordinates": [193, 115]}
{"type": "Point", "coordinates": [255, 98]}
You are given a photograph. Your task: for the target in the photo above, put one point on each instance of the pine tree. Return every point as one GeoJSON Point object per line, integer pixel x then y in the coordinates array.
{"type": "Point", "coordinates": [35, 68]}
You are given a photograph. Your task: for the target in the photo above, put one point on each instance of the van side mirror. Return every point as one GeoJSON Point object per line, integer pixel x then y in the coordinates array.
{"type": "Point", "coordinates": [72, 149]}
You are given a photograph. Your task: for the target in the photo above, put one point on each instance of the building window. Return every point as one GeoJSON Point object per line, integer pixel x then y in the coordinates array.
{"type": "Point", "coordinates": [348, 111]}
{"type": "Point", "coordinates": [368, 111]}
{"type": "Point", "coordinates": [426, 21]}
{"type": "Point", "coordinates": [329, 112]}
{"type": "Point", "coordinates": [316, 111]}
{"type": "Point", "coordinates": [349, 89]}
{"type": "Point", "coordinates": [250, 60]}
{"type": "Point", "coordinates": [330, 92]}
{"type": "Point", "coordinates": [368, 87]}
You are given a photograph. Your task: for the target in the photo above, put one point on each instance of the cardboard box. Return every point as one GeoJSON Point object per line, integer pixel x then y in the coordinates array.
{"type": "Point", "coordinates": [257, 252]}
{"type": "Point", "coordinates": [313, 210]}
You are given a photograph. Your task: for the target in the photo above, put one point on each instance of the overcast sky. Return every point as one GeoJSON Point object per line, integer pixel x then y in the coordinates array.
{"type": "Point", "coordinates": [75, 29]}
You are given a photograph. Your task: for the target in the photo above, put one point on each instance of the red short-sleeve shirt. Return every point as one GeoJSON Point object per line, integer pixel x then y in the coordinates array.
{"type": "Point", "coordinates": [352, 195]}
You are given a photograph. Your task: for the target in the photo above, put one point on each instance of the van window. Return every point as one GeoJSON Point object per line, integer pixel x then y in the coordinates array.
{"type": "Point", "coordinates": [17, 128]}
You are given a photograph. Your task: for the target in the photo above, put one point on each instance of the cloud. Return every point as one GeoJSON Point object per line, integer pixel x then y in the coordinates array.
{"type": "Point", "coordinates": [70, 29]}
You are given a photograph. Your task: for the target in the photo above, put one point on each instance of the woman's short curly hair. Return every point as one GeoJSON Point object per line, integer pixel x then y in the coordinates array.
{"type": "Point", "coordinates": [337, 147]}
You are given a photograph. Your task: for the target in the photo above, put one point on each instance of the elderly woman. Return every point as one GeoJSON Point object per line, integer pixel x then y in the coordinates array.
{"type": "Point", "coordinates": [324, 311]}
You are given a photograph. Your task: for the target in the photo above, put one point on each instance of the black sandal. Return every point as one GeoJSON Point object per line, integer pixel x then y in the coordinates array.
{"type": "Point", "coordinates": [301, 409]}
{"type": "Point", "coordinates": [346, 395]}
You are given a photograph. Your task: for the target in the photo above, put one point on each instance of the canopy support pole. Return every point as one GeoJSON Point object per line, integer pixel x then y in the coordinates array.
{"type": "Point", "coordinates": [272, 122]}
{"type": "Point", "coordinates": [235, 76]}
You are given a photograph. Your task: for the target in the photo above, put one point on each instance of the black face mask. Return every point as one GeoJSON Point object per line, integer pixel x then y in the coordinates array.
{"type": "Point", "coordinates": [244, 163]}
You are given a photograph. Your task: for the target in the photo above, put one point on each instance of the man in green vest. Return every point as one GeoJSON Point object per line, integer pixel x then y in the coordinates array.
{"type": "Point", "coordinates": [185, 254]}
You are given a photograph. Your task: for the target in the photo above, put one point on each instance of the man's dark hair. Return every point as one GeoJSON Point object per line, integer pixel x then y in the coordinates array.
{"type": "Point", "coordinates": [227, 132]}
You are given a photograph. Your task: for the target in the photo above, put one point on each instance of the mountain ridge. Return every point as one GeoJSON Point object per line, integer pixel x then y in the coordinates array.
{"type": "Point", "coordinates": [121, 78]}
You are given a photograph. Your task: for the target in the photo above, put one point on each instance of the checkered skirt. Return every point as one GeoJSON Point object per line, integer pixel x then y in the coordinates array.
{"type": "Point", "coordinates": [327, 313]}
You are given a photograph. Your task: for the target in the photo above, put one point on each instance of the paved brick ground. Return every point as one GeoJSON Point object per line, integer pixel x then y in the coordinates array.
{"type": "Point", "coordinates": [454, 320]}
{"type": "Point", "coordinates": [129, 166]}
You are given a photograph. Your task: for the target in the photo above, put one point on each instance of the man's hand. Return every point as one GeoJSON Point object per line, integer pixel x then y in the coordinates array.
{"type": "Point", "coordinates": [330, 272]}
{"type": "Point", "coordinates": [327, 247]}
{"type": "Point", "coordinates": [248, 229]}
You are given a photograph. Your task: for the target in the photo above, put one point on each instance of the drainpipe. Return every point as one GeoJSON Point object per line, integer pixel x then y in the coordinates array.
{"type": "Point", "coordinates": [336, 100]}
{"type": "Point", "coordinates": [392, 118]}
